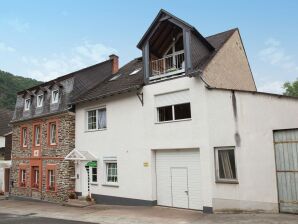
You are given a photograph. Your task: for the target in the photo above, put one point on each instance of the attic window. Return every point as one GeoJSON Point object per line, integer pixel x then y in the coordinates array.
{"type": "Point", "coordinates": [115, 77]}
{"type": "Point", "coordinates": [135, 71]}
{"type": "Point", "coordinates": [27, 104]}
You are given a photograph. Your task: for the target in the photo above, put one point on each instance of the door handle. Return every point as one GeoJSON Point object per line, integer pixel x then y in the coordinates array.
{"type": "Point", "coordinates": [186, 192]}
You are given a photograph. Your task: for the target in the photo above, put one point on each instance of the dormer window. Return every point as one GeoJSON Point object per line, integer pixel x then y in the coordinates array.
{"type": "Point", "coordinates": [27, 104]}
{"type": "Point", "coordinates": [39, 100]}
{"type": "Point", "coordinates": [55, 96]}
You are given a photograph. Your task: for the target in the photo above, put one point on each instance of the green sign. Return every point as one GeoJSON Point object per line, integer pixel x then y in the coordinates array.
{"type": "Point", "coordinates": [92, 164]}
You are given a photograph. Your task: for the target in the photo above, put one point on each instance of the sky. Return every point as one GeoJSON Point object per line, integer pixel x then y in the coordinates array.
{"type": "Point", "coordinates": [49, 38]}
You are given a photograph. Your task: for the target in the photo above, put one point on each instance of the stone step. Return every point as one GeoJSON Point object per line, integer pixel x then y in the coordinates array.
{"type": "Point", "coordinates": [78, 203]}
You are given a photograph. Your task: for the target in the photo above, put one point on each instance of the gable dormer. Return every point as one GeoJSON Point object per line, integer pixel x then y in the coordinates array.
{"type": "Point", "coordinates": [171, 47]}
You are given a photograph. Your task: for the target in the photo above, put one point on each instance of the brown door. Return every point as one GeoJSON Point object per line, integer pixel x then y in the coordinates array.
{"type": "Point", "coordinates": [6, 180]}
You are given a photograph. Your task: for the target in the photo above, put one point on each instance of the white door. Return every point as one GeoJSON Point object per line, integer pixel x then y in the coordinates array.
{"type": "Point", "coordinates": [178, 178]}
{"type": "Point", "coordinates": [84, 179]}
{"type": "Point", "coordinates": [179, 187]}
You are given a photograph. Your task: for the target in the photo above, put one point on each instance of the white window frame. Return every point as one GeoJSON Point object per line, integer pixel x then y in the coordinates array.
{"type": "Point", "coordinates": [107, 161]}
{"type": "Point", "coordinates": [173, 113]}
{"type": "Point", "coordinates": [217, 177]}
{"type": "Point", "coordinates": [91, 174]}
{"type": "Point", "coordinates": [39, 103]}
{"type": "Point", "coordinates": [96, 116]}
{"type": "Point", "coordinates": [53, 143]}
{"type": "Point", "coordinates": [23, 176]}
{"type": "Point", "coordinates": [27, 106]}
{"type": "Point", "coordinates": [35, 135]}
{"type": "Point", "coordinates": [25, 138]}
{"type": "Point", "coordinates": [53, 100]}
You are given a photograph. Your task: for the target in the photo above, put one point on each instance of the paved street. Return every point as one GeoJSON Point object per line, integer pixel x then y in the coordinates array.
{"type": "Point", "coordinates": [31, 219]}
{"type": "Point", "coordinates": [23, 212]}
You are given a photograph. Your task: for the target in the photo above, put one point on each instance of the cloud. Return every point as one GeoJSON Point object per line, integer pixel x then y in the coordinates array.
{"type": "Point", "coordinates": [17, 25]}
{"type": "Point", "coordinates": [5, 48]}
{"type": "Point", "coordinates": [276, 55]}
{"type": "Point", "coordinates": [272, 87]}
{"type": "Point", "coordinates": [58, 64]}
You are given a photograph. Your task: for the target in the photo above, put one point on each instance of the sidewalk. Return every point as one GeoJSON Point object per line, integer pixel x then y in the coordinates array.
{"type": "Point", "coordinates": [135, 215]}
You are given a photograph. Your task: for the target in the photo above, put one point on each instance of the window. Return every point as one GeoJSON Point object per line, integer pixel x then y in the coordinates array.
{"type": "Point", "coordinates": [55, 96]}
{"type": "Point", "coordinates": [96, 119]}
{"type": "Point", "coordinates": [35, 177]}
{"type": "Point", "coordinates": [53, 133]}
{"type": "Point", "coordinates": [225, 164]}
{"type": "Point", "coordinates": [37, 135]}
{"type": "Point", "coordinates": [51, 180]}
{"type": "Point", "coordinates": [24, 137]}
{"type": "Point", "coordinates": [39, 99]}
{"type": "Point", "coordinates": [111, 172]}
{"type": "Point", "coordinates": [27, 104]}
{"type": "Point", "coordinates": [174, 112]}
{"type": "Point", "coordinates": [93, 173]}
{"type": "Point", "coordinates": [115, 77]}
{"type": "Point", "coordinates": [135, 71]}
{"type": "Point", "coordinates": [22, 178]}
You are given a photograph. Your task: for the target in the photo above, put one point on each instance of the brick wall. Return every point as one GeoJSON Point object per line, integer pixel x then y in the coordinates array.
{"type": "Point", "coordinates": [23, 158]}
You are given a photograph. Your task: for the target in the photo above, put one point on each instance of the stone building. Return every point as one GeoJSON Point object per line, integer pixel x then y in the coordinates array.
{"type": "Point", "coordinates": [43, 133]}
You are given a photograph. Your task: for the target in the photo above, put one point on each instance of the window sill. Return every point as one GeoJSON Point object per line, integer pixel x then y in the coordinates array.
{"type": "Point", "coordinates": [172, 121]}
{"type": "Point", "coordinates": [94, 184]}
{"type": "Point", "coordinates": [103, 129]}
{"type": "Point", "coordinates": [226, 182]}
{"type": "Point", "coordinates": [110, 185]}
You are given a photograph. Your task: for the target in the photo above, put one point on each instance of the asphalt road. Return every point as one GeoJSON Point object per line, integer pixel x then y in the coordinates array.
{"type": "Point", "coordinates": [31, 219]}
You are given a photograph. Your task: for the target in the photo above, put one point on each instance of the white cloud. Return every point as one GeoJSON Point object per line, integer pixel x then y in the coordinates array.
{"type": "Point", "coordinates": [17, 25]}
{"type": "Point", "coordinates": [5, 48]}
{"type": "Point", "coordinates": [272, 87]}
{"type": "Point", "coordinates": [276, 55]}
{"type": "Point", "coordinates": [79, 57]}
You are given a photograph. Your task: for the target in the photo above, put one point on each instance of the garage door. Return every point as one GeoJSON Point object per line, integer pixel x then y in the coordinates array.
{"type": "Point", "coordinates": [178, 178]}
{"type": "Point", "coordinates": [286, 153]}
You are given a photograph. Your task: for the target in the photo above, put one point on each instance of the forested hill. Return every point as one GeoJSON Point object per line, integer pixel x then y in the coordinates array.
{"type": "Point", "coordinates": [10, 85]}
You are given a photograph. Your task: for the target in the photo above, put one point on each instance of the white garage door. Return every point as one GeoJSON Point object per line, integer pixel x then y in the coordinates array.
{"type": "Point", "coordinates": [178, 178]}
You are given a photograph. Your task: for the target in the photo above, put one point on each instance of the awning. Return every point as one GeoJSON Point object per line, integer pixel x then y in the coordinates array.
{"type": "Point", "coordinates": [77, 155]}
{"type": "Point", "coordinates": [5, 164]}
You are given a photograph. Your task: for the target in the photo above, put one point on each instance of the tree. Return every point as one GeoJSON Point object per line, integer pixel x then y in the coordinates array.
{"type": "Point", "coordinates": [291, 89]}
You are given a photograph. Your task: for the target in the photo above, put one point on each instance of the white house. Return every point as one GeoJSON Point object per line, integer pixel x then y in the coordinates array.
{"type": "Point", "coordinates": [184, 127]}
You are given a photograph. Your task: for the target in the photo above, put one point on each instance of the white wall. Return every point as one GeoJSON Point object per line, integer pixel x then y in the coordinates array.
{"type": "Point", "coordinates": [2, 141]}
{"type": "Point", "coordinates": [257, 116]}
{"type": "Point", "coordinates": [132, 135]}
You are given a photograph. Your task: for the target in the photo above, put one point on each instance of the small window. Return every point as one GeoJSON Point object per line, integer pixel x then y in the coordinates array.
{"type": "Point", "coordinates": [24, 137]}
{"type": "Point", "coordinates": [93, 174]}
{"type": "Point", "coordinates": [55, 96]}
{"type": "Point", "coordinates": [96, 119]}
{"type": "Point", "coordinates": [51, 180]}
{"type": "Point", "coordinates": [115, 77]}
{"type": "Point", "coordinates": [39, 102]}
{"type": "Point", "coordinates": [135, 71]}
{"type": "Point", "coordinates": [22, 178]}
{"type": "Point", "coordinates": [225, 164]}
{"type": "Point", "coordinates": [53, 133]}
{"type": "Point", "coordinates": [111, 172]}
{"type": "Point", "coordinates": [35, 177]}
{"type": "Point", "coordinates": [174, 112]}
{"type": "Point", "coordinates": [37, 135]}
{"type": "Point", "coordinates": [27, 104]}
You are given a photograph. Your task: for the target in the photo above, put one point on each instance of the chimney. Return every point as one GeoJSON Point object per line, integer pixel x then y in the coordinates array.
{"type": "Point", "coordinates": [115, 63]}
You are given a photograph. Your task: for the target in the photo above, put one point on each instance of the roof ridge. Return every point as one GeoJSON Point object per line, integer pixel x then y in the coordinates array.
{"type": "Point", "coordinates": [216, 34]}
{"type": "Point", "coordinates": [65, 76]}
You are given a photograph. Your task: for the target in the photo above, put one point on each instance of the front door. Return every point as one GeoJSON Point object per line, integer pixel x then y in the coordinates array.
{"type": "Point", "coordinates": [6, 180]}
{"type": "Point", "coordinates": [179, 180]}
{"type": "Point", "coordinates": [84, 179]}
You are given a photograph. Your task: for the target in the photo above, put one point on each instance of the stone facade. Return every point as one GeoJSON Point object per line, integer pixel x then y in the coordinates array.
{"type": "Point", "coordinates": [48, 156]}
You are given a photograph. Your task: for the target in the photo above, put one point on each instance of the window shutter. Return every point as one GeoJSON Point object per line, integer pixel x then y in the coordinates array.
{"type": "Point", "coordinates": [172, 98]}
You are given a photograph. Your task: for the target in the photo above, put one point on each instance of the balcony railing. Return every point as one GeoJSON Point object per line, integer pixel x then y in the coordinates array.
{"type": "Point", "coordinates": [168, 65]}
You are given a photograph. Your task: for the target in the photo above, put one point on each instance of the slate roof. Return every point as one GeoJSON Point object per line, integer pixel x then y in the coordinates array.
{"type": "Point", "coordinates": [128, 82]}
{"type": "Point", "coordinates": [5, 118]}
{"type": "Point", "coordinates": [125, 82]}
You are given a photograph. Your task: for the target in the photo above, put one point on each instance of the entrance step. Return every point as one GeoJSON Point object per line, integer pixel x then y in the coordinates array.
{"type": "Point", "coordinates": [79, 202]}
